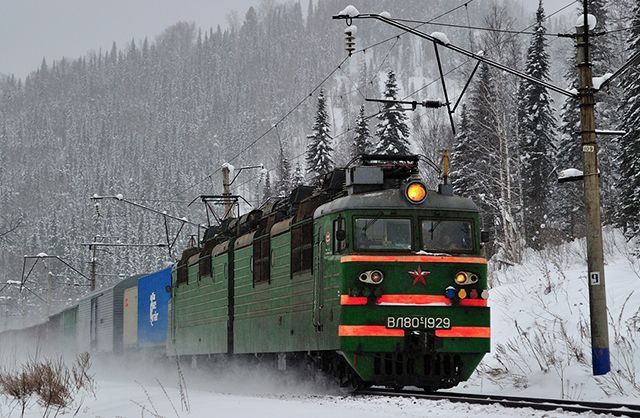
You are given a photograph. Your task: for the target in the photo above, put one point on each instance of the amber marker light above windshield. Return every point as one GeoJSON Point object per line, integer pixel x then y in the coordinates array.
{"type": "Point", "coordinates": [416, 192]}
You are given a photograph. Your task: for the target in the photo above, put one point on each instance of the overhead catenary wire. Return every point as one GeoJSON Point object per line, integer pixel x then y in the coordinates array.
{"type": "Point", "coordinates": [362, 50]}
{"type": "Point", "coordinates": [607, 32]}
{"type": "Point", "coordinates": [492, 47]}
{"type": "Point", "coordinates": [264, 134]}
{"type": "Point", "coordinates": [302, 154]}
{"type": "Point", "coordinates": [346, 131]}
{"type": "Point", "coordinates": [375, 72]}
{"type": "Point", "coordinates": [397, 38]}
{"type": "Point", "coordinates": [450, 71]}
{"type": "Point", "coordinates": [480, 28]}
{"type": "Point", "coordinates": [310, 94]}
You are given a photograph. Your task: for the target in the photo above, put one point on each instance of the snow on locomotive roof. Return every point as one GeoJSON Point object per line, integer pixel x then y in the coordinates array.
{"type": "Point", "coordinates": [394, 199]}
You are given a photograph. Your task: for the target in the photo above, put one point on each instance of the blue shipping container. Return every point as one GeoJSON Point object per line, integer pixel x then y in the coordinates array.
{"type": "Point", "coordinates": [153, 308]}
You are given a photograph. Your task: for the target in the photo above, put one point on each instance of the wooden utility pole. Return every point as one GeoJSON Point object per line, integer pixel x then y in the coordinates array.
{"type": "Point", "coordinates": [595, 258]}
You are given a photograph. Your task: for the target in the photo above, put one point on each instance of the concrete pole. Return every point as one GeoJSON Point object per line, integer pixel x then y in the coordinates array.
{"type": "Point", "coordinates": [93, 266]}
{"type": "Point", "coordinates": [226, 192]}
{"type": "Point", "coordinates": [49, 289]}
{"type": "Point", "coordinates": [595, 257]}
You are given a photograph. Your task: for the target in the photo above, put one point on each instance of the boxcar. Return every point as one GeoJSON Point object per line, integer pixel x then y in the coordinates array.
{"type": "Point", "coordinates": [101, 318]}
{"type": "Point", "coordinates": [153, 295]}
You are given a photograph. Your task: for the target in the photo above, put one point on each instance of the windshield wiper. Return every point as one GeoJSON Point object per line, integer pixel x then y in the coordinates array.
{"type": "Point", "coordinates": [433, 228]}
{"type": "Point", "coordinates": [372, 221]}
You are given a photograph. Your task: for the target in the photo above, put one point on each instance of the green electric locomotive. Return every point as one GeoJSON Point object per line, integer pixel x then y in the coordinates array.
{"type": "Point", "coordinates": [370, 277]}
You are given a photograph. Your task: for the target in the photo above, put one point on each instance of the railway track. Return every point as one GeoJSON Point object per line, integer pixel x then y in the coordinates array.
{"type": "Point", "coordinates": [614, 409]}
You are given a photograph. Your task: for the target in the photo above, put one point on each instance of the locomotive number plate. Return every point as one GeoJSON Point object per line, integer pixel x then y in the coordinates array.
{"type": "Point", "coordinates": [418, 322]}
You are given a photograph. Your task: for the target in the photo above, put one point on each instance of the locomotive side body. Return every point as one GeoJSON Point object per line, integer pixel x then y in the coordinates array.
{"type": "Point", "coordinates": [199, 305]}
{"type": "Point", "coordinates": [302, 289]}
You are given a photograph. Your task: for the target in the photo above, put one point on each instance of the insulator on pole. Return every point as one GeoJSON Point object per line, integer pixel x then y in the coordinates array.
{"type": "Point", "coordinates": [350, 38]}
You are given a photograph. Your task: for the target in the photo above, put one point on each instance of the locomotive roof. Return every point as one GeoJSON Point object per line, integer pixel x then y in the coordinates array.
{"type": "Point", "coordinates": [395, 199]}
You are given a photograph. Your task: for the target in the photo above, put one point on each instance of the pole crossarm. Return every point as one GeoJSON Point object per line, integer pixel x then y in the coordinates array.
{"type": "Point", "coordinates": [414, 104]}
{"type": "Point", "coordinates": [42, 257]}
{"type": "Point", "coordinates": [459, 50]}
{"type": "Point", "coordinates": [120, 244]}
{"type": "Point", "coordinates": [138, 205]}
{"type": "Point", "coordinates": [239, 170]}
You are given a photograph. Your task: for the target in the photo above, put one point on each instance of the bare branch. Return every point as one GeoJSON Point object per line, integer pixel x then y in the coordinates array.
{"type": "Point", "coordinates": [11, 229]}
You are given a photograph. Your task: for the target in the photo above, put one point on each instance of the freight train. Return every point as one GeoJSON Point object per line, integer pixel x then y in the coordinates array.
{"type": "Point", "coordinates": [369, 277]}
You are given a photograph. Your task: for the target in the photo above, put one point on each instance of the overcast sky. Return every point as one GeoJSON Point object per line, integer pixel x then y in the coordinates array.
{"type": "Point", "coordinates": [32, 29]}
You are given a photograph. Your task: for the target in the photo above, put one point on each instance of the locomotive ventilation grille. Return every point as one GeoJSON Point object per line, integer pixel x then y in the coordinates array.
{"type": "Point", "coordinates": [398, 364]}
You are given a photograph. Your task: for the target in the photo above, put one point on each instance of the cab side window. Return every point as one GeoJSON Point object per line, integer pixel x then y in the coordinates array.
{"type": "Point", "coordinates": [339, 235]}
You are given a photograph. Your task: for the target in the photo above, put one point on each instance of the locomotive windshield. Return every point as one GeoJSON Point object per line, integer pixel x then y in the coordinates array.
{"type": "Point", "coordinates": [441, 235]}
{"type": "Point", "coordinates": [383, 234]}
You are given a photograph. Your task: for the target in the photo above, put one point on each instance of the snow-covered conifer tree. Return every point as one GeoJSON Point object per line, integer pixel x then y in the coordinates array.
{"type": "Point", "coordinates": [536, 128]}
{"type": "Point", "coordinates": [462, 158]}
{"type": "Point", "coordinates": [482, 152]}
{"type": "Point", "coordinates": [361, 140]}
{"type": "Point", "coordinates": [267, 193]}
{"type": "Point", "coordinates": [392, 130]}
{"type": "Point", "coordinates": [283, 187]}
{"type": "Point", "coordinates": [297, 179]}
{"type": "Point", "coordinates": [364, 84]}
{"type": "Point", "coordinates": [629, 182]}
{"type": "Point", "coordinates": [319, 149]}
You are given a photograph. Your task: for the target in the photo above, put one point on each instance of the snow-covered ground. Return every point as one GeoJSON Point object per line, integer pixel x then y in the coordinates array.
{"type": "Point", "coordinates": [540, 326]}
{"type": "Point", "coordinates": [116, 398]}
{"type": "Point", "coordinates": [541, 347]}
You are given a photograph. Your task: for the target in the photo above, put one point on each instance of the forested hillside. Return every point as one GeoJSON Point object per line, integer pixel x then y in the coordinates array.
{"type": "Point", "coordinates": [155, 119]}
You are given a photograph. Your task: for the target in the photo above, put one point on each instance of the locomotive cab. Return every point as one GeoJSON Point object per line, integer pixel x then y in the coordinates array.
{"type": "Point", "coordinates": [411, 278]}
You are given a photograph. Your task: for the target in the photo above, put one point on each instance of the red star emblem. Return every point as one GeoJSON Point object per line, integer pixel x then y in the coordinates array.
{"type": "Point", "coordinates": [419, 276]}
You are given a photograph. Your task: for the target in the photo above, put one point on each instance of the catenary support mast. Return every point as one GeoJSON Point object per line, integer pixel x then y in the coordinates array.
{"type": "Point", "coordinates": [595, 258]}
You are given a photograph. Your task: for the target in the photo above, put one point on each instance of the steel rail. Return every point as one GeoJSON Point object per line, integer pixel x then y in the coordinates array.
{"type": "Point", "coordinates": [628, 410]}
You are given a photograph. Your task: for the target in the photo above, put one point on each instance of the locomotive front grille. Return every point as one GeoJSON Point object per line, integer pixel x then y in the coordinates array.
{"type": "Point", "coordinates": [436, 365]}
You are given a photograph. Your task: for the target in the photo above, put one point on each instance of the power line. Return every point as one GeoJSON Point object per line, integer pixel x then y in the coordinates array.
{"type": "Point", "coordinates": [397, 38]}
{"type": "Point", "coordinates": [494, 46]}
{"type": "Point", "coordinates": [433, 81]}
{"type": "Point", "coordinates": [310, 94]}
{"type": "Point", "coordinates": [606, 32]}
{"type": "Point", "coordinates": [453, 25]}
{"type": "Point", "coordinates": [346, 131]}
{"type": "Point", "coordinates": [421, 23]}
{"type": "Point", "coordinates": [375, 72]}
{"type": "Point", "coordinates": [293, 109]}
